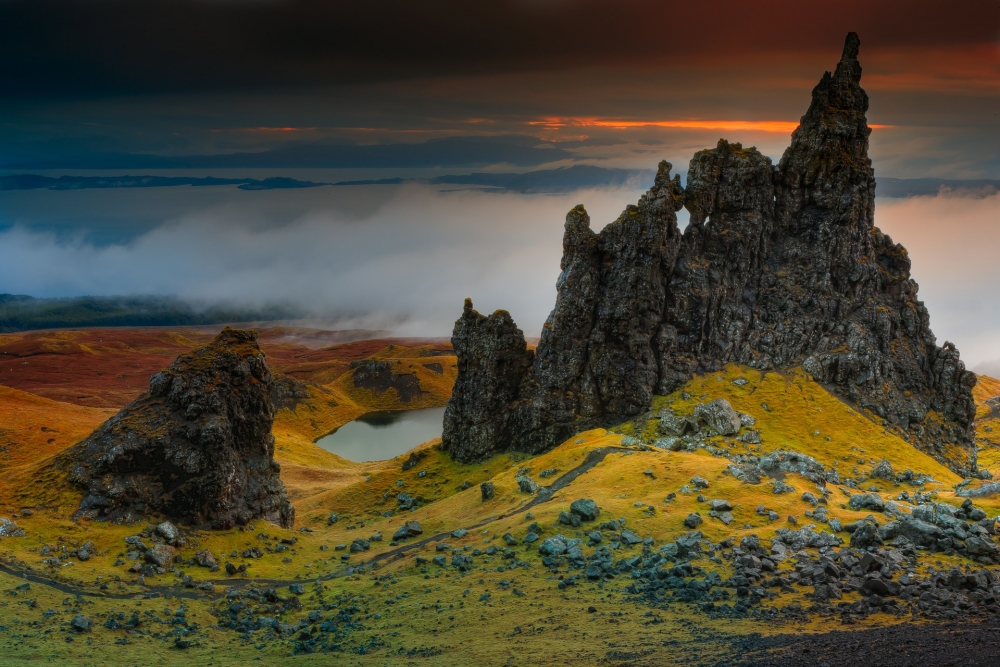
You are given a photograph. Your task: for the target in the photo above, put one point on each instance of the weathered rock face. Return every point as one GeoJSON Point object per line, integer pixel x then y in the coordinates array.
{"type": "Point", "coordinates": [493, 361]}
{"type": "Point", "coordinates": [779, 266]}
{"type": "Point", "coordinates": [197, 447]}
{"type": "Point", "coordinates": [379, 377]}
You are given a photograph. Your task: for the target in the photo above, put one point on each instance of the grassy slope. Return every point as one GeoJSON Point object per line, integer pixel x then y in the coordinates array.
{"type": "Point", "coordinates": [987, 424]}
{"type": "Point", "coordinates": [426, 610]}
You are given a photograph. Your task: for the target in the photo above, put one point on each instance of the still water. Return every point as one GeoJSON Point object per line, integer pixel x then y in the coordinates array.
{"type": "Point", "coordinates": [383, 435]}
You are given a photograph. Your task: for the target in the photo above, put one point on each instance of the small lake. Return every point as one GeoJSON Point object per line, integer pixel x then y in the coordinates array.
{"type": "Point", "coordinates": [382, 435]}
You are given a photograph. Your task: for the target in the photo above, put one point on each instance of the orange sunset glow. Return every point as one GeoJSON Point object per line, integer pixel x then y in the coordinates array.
{"type": "Point", "coordinates": [779, 126]}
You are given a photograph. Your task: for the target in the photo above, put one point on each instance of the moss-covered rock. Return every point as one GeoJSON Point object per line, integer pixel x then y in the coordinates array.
{"type": "Point", "coordinates": [197, 447]}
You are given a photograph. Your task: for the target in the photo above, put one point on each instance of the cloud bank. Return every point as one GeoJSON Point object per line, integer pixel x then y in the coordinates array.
{"type": "Point", "coordinates": [953, 244]}
{"type": "Point", "coordinates": [405, 264]}
{"type": "Point", "coordinates": [404, 257]}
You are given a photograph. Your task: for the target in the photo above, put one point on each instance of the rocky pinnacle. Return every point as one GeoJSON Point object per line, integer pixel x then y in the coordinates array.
{"type": "Point", "coordinates": [197, 447]}
{"type": "Point", "coordinates": [779, 267]}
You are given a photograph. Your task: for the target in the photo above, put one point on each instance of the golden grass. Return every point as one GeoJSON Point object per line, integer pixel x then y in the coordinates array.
{"type": "Point", "coordinates": [430, 615]}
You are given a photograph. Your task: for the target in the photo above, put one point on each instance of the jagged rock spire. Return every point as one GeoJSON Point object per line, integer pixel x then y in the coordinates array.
{"type": "Point", "coordinates": [494, 359]}
{"type": "Point", "coordinates": [779, 267]}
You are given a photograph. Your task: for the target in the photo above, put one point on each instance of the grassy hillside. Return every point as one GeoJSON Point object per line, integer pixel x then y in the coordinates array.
{"type": "Point", "coordinates": [390, 604]}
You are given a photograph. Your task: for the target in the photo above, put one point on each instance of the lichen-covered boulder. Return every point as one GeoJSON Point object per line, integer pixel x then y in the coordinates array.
{"type": "Point", "coordinates": [197, 447]}
{"type": "Point", "coordinates": [719, 416]}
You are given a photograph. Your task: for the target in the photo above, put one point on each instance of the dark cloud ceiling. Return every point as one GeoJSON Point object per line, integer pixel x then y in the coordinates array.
{"type": "Point", "coordinates": [87, 47]}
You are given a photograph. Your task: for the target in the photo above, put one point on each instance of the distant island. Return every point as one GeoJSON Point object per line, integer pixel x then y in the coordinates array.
{"type": "Point", "coordinates": [562, 179]}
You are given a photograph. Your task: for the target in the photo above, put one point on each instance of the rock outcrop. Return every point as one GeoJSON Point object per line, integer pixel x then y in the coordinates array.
{"type": "Point", "coordinates": [493, 361]}
{"type": "Point", "coordinates": [197, 447]}
{"type": "Point", "coordinates": [779, 267]}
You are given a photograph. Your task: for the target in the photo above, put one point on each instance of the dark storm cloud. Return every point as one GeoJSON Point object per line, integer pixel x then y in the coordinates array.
{"type": "Point", "coordinates": [58, 47]}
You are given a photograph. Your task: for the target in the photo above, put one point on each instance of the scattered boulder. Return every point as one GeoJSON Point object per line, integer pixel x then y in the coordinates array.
{"type": "Point", "coordinates": [982, 546]}
{"type": "Point", "coordinates": [526, 484]}
{"type": "Point", "coordinates": [719, 416]}
{"type": "Point", "coordinates": [672, 425]}
{"type": "Point", "coordinates": [406, 501]}
{"type": "Point", "coordinates": [408, 530]}
{"type": "Point", "coordinates": [161, 555]}
{"type": "Point", "coordinates": [80, 623]}
{"type": "Point", "coordinates": [689, 543]}
{"type": "Point", "coordinates": [553, 546]}
{"type": "Point", "coordinates": [785, 461]}
{"type": "Point", "coordinates": [866, 535]}
{"type": "Point", "coordinates": [883, 470]}
{"type": "Point", "coordinates": [585, 508]}
{"type": "Point", "coordinates": [168, 531]}
{"type": "Point", "coordinates": [670, 444]}
{"type": "Point", "coordinates": [487, 490]}
{"type": "Point", "coordinates": [693, 520]}
{"type": "Point", "coordinates": [806, 537]}
{"type": "Point", "coordinates": [205, 558]}
{"type": "Point", "coordinates": [779, 487]}
{"type": "Point", "coordinates": [10, 529]}
{"type": "Point", "coordinates": [867, 501]}
{"type": "Point", "coordinates": [629, 538]}
{"type": "Point", "coordinates": [721, 505]}
{"type": "Point", "coordinates": [748, 473]}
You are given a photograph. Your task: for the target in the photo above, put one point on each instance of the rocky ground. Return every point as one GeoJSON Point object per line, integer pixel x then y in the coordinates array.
{"type": "Point", "coordinates": [904, 645]}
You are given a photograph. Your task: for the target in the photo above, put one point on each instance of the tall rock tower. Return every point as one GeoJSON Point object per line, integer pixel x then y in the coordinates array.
{"type": "Point", "coordinates": [779, 267]}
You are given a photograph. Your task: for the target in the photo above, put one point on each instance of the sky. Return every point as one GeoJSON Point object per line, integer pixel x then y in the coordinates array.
{"type": "Point", "coordinates": [188, 77]}
{"type": "Point", "coordinates": [340, 91]}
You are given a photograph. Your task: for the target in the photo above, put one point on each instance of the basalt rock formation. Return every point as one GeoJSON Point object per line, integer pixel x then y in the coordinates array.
{"type": "Point", "coordinates": [779, 267]}
{"type": "Point", "coordinates": [197, 447]}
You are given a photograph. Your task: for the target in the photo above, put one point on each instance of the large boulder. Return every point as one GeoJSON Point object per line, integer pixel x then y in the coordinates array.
{"type": "Point", "coordinates": [197, 447]}
{"type": "Point", "coordinates": [867, 501]}
{"type": "Point", "coordinates": [585, 508]}
{"type": "Point", "coordinates": [719, 416]}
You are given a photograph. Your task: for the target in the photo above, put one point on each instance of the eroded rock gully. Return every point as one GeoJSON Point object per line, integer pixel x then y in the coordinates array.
{"type": "Point", "coordinates": [779, 266]}
{"type": "Point", "coordinates": [197, 447]}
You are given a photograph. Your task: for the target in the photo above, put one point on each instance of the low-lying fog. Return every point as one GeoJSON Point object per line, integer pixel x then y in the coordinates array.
{"type": "Point", "coordinates": [404, 257]}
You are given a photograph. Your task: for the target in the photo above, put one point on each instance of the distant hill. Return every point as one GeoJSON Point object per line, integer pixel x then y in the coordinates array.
{"type": "Point", "coordinates": [562, 179]}
{"type": "Point", "coordinates": [544, 180]}
{"type": "Point", "coordinates": [518, 150]}
{"type": "Point", "coordinates": [25, 313]}
{"type": "Point", "coordinates": [548, 180]}
{"type": "Point", "coordinates": [35, 182]}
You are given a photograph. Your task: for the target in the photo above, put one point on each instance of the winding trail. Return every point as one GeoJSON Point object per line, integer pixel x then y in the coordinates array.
{"type": "Point", "coordinates": [544, 494]}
